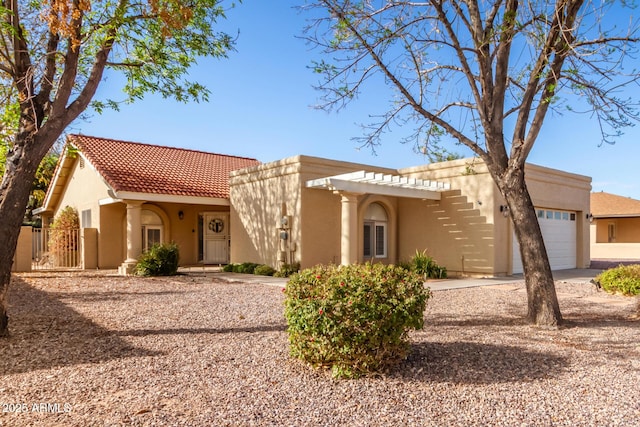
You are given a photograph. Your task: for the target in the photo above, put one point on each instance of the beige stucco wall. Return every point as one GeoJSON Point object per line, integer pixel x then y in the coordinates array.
{"type": "Point", "coordinates": [112, 235]}
{"type": "Point", "coordinates": [257, 195]}
{"type": "Point", "coordinates": [322, 214]}
{"type": "Point", "coordinates": [22, 256]}
{"type": "Point", "coordinates": [464, 231]}
{"type": "Point", "coordinates": [627, 242]}
{"type": "Point", "coordinates": [83, 191]}
{"type": "Point", "coordinates": [89, 245]}
{"type": "Point", "coordinates": [472, 225]}
{"type": "Point", "coordinates": [627, 230]}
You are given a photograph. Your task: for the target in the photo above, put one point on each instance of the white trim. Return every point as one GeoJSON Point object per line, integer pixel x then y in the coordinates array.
{"type": "Point", "coordinates": [381, 184]}
{"type": "Point", "coordinates": [120, 196]}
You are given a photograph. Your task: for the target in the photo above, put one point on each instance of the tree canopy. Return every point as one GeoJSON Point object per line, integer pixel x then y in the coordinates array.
{"type": "Point", "coordinates": [485, 74]}
{"type": "Point", "coordinates": [465, 68]}
{"type": "Point", "coordinates": [53, 57]}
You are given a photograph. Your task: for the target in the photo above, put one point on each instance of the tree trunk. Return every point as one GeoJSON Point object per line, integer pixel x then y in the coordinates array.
{"type": "Point", "coordinates": [542, 301]}
{"type": "Point", "coordinates": [21, 166]}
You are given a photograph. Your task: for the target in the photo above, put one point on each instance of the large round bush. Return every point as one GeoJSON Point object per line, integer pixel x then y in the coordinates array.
{"type": "Point", "coordinates": [159, 260]}
{"type": "Point", "coordinates": [624, 279]}
{"type": "Point", "coordinates": [354, 319]}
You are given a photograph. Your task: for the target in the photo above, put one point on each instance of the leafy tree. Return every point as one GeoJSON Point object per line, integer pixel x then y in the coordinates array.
{"type": "Point", "coordinates": [486, 74]}
{"type": "Point", "coordinates": [53, 56]}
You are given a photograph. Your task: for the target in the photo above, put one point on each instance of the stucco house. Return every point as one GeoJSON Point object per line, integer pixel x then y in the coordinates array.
{"type": "Point", "coordinates": [134, 195]}
{"type": "Point", "coordinates": [615, 227]}
{"type": "Point", "coordinates": [310, 210]}
{"type": "Point", "coordinates": [315, 210]}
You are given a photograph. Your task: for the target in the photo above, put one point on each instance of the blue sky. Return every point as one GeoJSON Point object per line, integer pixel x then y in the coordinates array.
{"type": "Point", "coordinates": [261, 107]}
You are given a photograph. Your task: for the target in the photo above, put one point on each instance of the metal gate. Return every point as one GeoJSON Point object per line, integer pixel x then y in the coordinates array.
{"type": "Point", "coordinates": [53, 249]}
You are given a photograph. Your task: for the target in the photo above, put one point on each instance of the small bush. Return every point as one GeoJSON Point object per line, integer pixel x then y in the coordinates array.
{"type": "Point", "coordinates": [159, 260]}
{"type": "Point", "coordinates": [624, 279]}
{"type": "Point", "coordinates": [228, 268]}
{"type": "Point", "coordinates": [354, 319]}
{"type": "Point", "coordinates": [264, 270]}
{"type": "Point", "coordinates": [245, 267]}
{"type": "Point", "coordinates": [287, 270]}
{"type": "Point", "coordinates": [424, 265]}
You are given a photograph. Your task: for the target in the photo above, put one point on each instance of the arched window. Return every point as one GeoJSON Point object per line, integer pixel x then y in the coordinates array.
{"type": "Point", "coordinates": [151, 229]}
{"type": "Point", "coordinates": [375, 232]}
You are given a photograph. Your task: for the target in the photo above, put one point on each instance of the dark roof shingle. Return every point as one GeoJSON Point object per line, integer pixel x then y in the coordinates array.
{"type": "Point", "coordinates": [154, 169]}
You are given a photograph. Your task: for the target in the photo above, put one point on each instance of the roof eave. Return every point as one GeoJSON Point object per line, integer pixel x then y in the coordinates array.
{"type": "Point", "coordinates": [123, 196]}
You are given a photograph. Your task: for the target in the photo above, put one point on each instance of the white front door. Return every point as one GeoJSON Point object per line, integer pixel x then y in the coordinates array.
{"type": "Point", "coordinates": [216, 238]}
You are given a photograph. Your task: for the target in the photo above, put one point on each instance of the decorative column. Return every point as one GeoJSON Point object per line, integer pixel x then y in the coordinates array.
{"type": "Point", "coordinates": [134, 237]}
{"type": "Point", "coordinates": [349, 229]}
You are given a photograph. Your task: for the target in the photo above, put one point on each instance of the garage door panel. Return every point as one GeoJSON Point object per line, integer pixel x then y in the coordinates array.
{"type": "Point", "coordinates": [559, 233]}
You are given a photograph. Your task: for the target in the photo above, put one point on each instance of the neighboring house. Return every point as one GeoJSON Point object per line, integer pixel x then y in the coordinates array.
{"type": "Point", "coordinates": [314, 210]}
{"type": "Point", "coordinates": [310, 210]}
{"type": "Point", "coordinates": [136, 195]}
{"type": "Point", "coordinates": [615, 227]}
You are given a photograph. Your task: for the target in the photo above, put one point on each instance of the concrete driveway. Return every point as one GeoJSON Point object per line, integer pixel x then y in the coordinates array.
{"type": "Point", "coordinates": [576, 275]}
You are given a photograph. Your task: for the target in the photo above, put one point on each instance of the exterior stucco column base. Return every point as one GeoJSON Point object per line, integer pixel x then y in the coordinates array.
{"type": "Point", "coordinates": [134, 237]}
{"type": "Point", "coordinates": [126, 268]}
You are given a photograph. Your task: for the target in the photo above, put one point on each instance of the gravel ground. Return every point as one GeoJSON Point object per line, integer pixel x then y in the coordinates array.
{"type": "Point", "coordinates": [194, 350]}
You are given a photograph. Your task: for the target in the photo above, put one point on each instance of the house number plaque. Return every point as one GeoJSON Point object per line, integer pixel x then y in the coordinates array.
{"type": "Point", "coordinates": [216, 225]}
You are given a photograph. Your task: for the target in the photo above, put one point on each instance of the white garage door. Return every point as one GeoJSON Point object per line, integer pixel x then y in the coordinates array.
{"type": "Point", "coordinates": [559, 233]}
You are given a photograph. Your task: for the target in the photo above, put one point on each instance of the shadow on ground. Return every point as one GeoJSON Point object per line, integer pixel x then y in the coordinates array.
{"type": "Point", "coordinates": [46, 333]}
{"type": "Point", "coordinates": [196, 331]}
{"type": "Point", "coordinates": [477, 363]}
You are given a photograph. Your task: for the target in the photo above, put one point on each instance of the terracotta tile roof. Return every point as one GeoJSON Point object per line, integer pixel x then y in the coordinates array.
{"type": "Point", "coordinates": [154, 169]}
{"type": "Point", "coordinates": [605, 205]}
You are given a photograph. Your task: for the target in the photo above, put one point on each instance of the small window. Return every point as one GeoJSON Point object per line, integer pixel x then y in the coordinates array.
{"type": "Point", "coordinates": [374, 233]}
{"type": "Point", "coordinates": [367, 239]}
{"type": "Point", "coordinates": [381, 246]}
{"type": "Point", "coordinates": [151, 235]}
{"type": "Point", "coordinates": [151, 229]}
{"type": "Point", "coordinates": [540, 213]}
{"type": "Point", "coordinates": [572, 217]}
{"type": "Point", "coordinates": [557, 215]}
{"type": "Point", "coordinates": [565, 216]}
{"type": "Point", "coordinates": [85, 218]}
{"type": "Point", "coordinates": [549, 214]}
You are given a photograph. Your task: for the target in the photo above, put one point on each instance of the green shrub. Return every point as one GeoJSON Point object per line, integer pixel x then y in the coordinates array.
{"type": "Point", "coordinates": [264, 270]}
{"type": "Point", "coordinates": [424, 265]}
{"type": "Point", "coordinates": [624, 279]}
{"type": "Point", "coordinates": [245, 267]}
{"type": "Point", "coordinates": [159, 260]}
{"type": "Point", "coordinates": [228, 268]}
{"type": "Point", "coordinates": [354, 319]}
{"type": "Point", "coordinates": [287, 270]}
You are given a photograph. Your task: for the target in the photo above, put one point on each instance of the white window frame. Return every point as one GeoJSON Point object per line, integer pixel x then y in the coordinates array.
{"type": "Point", "coordinates": [373, 239]}
{"type": "Point", "coordinates": [145, 236]}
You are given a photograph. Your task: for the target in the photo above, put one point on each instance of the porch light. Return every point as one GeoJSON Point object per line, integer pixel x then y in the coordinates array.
{"type": "Point", "coordinates": [505, 210]}
{"type": "Point", "coordinates": [180, 215]}
{"type": "Point", "coordinates": [590, 217]}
